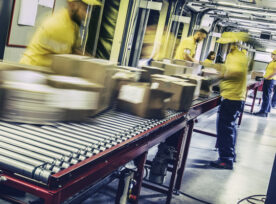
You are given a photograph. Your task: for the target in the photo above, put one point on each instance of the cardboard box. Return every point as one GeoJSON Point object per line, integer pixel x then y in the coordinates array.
{"type": "Point", "coordinates": [139, 99]}
{"type": "Point", "coordinates": [207, 84]}
{"type": "Point", "coordinates": [182, 91]}
{"type": "Point", "coordinates": [67, 64]}
{"type": "Point", "coordinates": [172, 69]}
{"type": "Point", "coordinates": [76, 96]}
{"type": "Point", "coordinates": [255, 74]}
{"type": "Point", "coordinates": [16, 66]}
{"type": "Point", "coordinates": [23, 76]}
{"type": "Point", "coordinates": [101, 72]}
{"type": "Point", "coordinates": [191, 67]}
{"type": "Point", "coordinates": [210, 72]}
{"type": "Point", "coordinates": [194, 79]}
{"type": "Point", "coordinates": [28, 103]}
{"type": "Point", "coordinates": [183, 63]}
{"type": "Point", "coordinates": [148, 71]}
{"type": "Point", "coordinates": [158, 64]}
{"type": "Point", "coordinates": [122, 77]}
{"type": "Point", "coordinates": [74, 93]}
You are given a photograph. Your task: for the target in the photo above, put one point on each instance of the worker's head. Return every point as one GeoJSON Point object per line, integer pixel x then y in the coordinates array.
{"type": "Point", "coordinates": [233, 46]}
{"type": "Point", "coordinates": [200, 35]}
{"type": "Point", "coordinates": [273, 55]}
{"type": "Point", "coordinates": [211, 55]}
{"type": "Point", "coordinates": [78, 9]}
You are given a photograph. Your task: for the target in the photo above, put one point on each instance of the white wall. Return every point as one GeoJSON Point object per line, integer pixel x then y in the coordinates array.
{"type": "Point", "coordinates": [13, 54]}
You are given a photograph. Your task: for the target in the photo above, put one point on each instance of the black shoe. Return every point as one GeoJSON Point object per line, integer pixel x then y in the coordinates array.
{"type": "Point", "coordinates": [221, 164]}
{"type": "Point", "coordinates": [261, 114]}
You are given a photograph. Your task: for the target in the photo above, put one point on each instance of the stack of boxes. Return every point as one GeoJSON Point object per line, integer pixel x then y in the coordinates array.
{"type": "Point", "coordinates": [78, 86]}
{"type": "Point", "coordinates": [140, 99]}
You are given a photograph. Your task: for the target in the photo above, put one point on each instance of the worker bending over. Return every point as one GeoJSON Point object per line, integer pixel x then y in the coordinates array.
{"type": "Point", "coordinates": [58, 34]}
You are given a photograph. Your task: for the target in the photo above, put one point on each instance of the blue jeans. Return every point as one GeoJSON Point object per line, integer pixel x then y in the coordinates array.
{"type": "Point", "coordinates": [267, 91]}
{"type": "Point", "coordinates": [273, 101]}
{"type": "Point", "coordinates": [228, 113]}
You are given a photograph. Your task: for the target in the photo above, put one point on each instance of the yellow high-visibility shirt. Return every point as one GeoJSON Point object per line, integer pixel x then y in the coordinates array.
{"type": "Point", "coordinates": [270, 69]}
{"type": "Point", "coordinates": [209, 61]}
{"type": "Point", "coordinates": [57, 35]}
{"type": "Point", "coordinates": [235, 88]}
{"type": "Point", "coordinates": [186, 46]}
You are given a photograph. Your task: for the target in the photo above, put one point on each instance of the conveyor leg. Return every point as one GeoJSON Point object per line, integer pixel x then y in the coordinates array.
{"type": "Point", "coordinates": [180, 173]}
{"type": "Point", "coordinates": [140, 163]}
{"type": "Point", "coordinates": [179, 150]}
{"type": "Point", "coordinates": [125, 180]}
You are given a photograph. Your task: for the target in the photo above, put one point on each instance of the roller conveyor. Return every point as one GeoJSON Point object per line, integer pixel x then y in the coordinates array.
{"type": "Point", "coordinates": [37, 152]}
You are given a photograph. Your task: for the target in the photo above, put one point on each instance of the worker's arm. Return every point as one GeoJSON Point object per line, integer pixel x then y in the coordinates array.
{"type": "Point", "coordinates": [273, 74]}
{"type": "Point", "coordinates": [187, 55]}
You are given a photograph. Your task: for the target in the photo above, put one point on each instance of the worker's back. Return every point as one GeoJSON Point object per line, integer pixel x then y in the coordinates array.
{"type": "Point", "coordinates": [57, 35]}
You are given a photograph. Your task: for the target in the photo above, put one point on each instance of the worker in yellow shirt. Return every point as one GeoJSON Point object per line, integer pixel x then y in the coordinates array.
{"type": "Point", "coordinates": [187, 47]}
{"type": "Point", "coordinates": [269, 82]}
{"type": "Point", "coordinates": [210, 58]}
{"type": "Point", "coordinates": [58, 34]}
{"type": "Point", "coordinates": [232, 90]}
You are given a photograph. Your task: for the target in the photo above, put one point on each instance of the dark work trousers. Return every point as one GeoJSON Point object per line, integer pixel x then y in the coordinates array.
{"type": "Point", "coordinates": [267, 91]}
{"type": "Point", "coordinates": [273, 101]}
{"type": "Point", "coordinates": [228, 112]}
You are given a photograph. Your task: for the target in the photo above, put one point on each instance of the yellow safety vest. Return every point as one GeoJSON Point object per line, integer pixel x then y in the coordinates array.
{"type": "Point", "coordinates": [270, 70]}
{"type": "Point", "coordinates": [209, 61]}
{"type": "Point", "coordinates": [235, 89]}
{"type": "Point", "coordinates": [189, 45]}
{"type": "Point", "coordinates": [57, 35]}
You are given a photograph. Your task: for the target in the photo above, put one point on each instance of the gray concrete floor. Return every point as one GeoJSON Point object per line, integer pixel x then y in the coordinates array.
{"type": "Point", "coordinates": [256, 147]}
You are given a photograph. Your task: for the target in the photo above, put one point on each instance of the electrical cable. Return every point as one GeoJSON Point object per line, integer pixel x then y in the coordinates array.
{"type": "Point", "coordinates": [253, 197]}
{"type": "Point", "coordinates": [194, 198]}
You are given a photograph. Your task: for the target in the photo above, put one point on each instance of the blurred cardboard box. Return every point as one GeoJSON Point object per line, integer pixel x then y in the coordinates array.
{"type": "Point", "coordinates": [100, 71]}
{"type": "Point", "coordinates": [255, 74]}
{"type": "Point", "coordinates": [77, 96]}
{"type": "Point", "coordinates": [95, 70]}
{"type": "Point", "coordinates": [172, 69]}
{"type": "Point", "coordinates": [28, 103]}
{"type": "Point", "coordinates": [136, 72]}
{"type": "Point", "coordinates": [210, 72]}
{"type": "Point", "coordinates": [194, 79]}
{"type": "Point", "coordinates": [148, 71]}
{"type": "Point", "coordinates": [183, 62]}
{"type": "Point", "coordinates": [158, 64]}
{"type": "Point", "coordinates": [139, 99]}
{"type": "Point", "coordinates": [207, 84]}
{"type": "Point", "coordinates": [67, 64]}
{"type": "Point", "coordinates": [122, 77]}
{"type": "Point", "coordinates": [191, 67]}
{"type": "Point", "coordinates": [16, 66]}
{"type": "Point", "coordinates": [23, 76]}
{"type": "Point", "coordinates": [182, 91]}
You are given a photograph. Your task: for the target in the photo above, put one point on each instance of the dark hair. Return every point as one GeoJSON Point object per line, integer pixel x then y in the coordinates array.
{"type": "Point", "coordinates": [209, 55]}
{"type": "Point", "coordinates": [201, 30]}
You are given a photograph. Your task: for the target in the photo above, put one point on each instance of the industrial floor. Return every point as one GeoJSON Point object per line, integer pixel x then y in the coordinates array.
{"type": "Point", "coordinates": [256, 148]}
